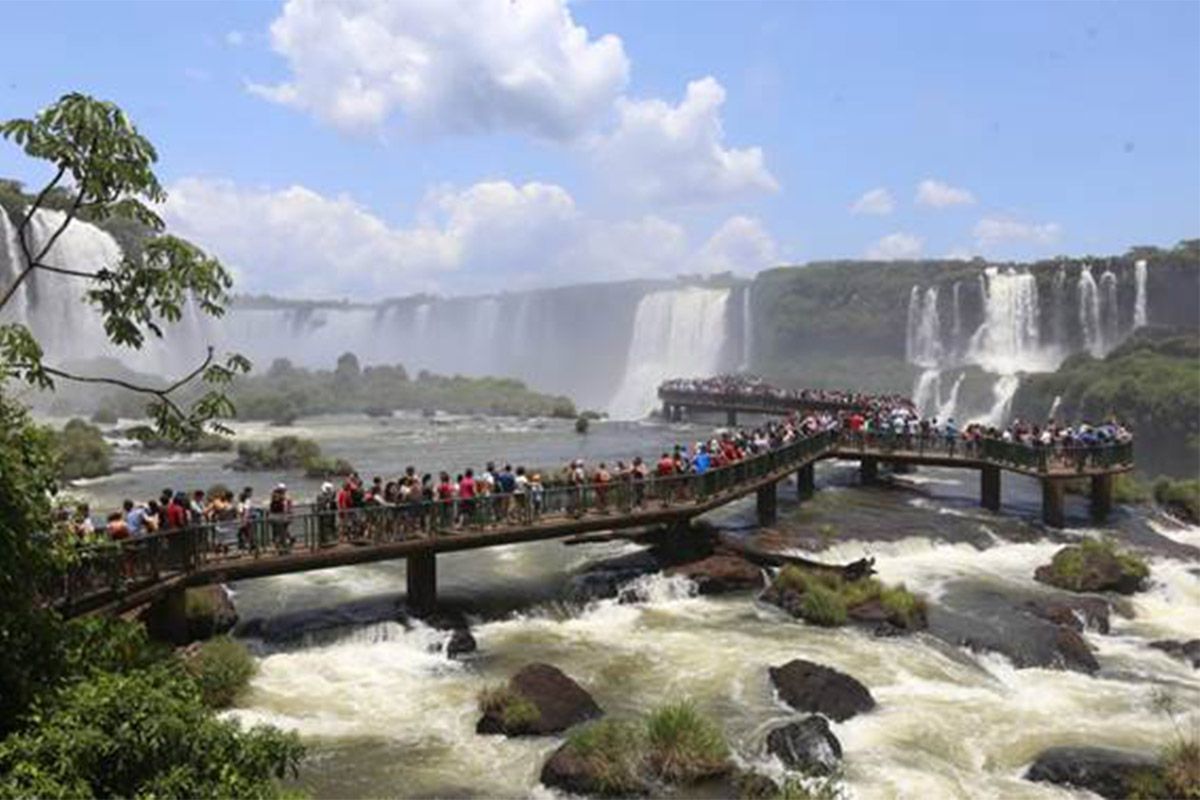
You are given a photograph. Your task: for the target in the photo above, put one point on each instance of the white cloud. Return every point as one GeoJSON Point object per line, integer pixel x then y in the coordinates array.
{"type": "Point", "coordinates": [675, 153]}
{"type": "Point", "coordinates": [936, 194]}
{"type": "Point", "coordinates": [235, 38]}
{"type": "Point", "coordinates": [875, 201]}
{"type": "Point", "coordinates": [1005, 230]}
{"type": "Point", "coordinates": [487, 237]}
{"type": "Point", "coordinates": [471, 66]}
{"type": "Point", "coordinates": [896, 247]}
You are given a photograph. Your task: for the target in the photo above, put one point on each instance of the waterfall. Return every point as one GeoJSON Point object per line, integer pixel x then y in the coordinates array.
{"type": "Point", "coordinates": [1058, 318]}
{"type": "Point", "coordinates": [1008, 340]}
{"type": "Point", "coordinates": [947, 407]}
{"type": "Point", "coordinates": [10, 267]}
{"type": "Point", "coordinates": [923, 345]}
{"type": "Point", "coordinates": [747, 330]}
{"type": "Point", "coordinates": [1054, 406]}
{"type": "Point", "coordinates": [676, 333]}
{"type": "Point", "coordinates": [1003, 391]}
{"type": "Point", "coordinates": [1139, 302]}
{"type": "Point", "coordinates": [1109, 310]}
{"type": "Point", "coordinates": [927, 391]}
{"type": "Point", "coordinates": [1089, 313]}
{"type": "Point", "coordinates": [956, 327]}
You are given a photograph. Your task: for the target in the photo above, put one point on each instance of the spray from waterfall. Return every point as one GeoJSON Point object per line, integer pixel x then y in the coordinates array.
{"type": "Point", "coordinates": [1139, 301]}
{"type": "Point", "coordinates": [1089, 313]}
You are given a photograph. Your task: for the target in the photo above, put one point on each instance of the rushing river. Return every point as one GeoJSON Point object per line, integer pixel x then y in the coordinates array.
{"type": "Point", "coordinates": [386, 714]}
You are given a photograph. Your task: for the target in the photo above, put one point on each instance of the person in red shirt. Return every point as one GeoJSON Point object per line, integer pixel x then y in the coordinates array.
{"type": "Point", "coordinates": [445, 496]}
{"type": "Point", "coordinates": [177, 512]}
{"type": "Point", "coordinates": [466, 496]}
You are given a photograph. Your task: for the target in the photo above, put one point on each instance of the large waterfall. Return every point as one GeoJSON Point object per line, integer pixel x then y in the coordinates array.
{"type": "Point", "coordinates": [1139, 300]}
{"type": "Point", "coordinates": [924, 328]}
{"type": "Point", "coordinates": [679, 332]}
{"type": "Point", "coordinates": [1089, 313]}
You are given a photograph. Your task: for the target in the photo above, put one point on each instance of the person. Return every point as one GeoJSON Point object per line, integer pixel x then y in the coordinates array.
{"type": "Point", "coordinates": [280, 508]}
{"type": "Point", "coordinates": [153, 517]}
{"type": "Point", "coordinates": [638, 475]}
{"type": "Point", "coordinates": [326, 506]}
{"type": "Point", "coordinates": [602, 478]}
{"type": "Point", "coordinates": [135, 519]}
{"type": "Point", "coordinates": [537, 494]}
{"type": "Point", "coordinates": [177, 512]}
{"type": "Point", "coordinates": [521, 493]}
{"type": "Point", "coordinates": [445, 501]}
{"type": "Point", "coordinates": [116, 528]}
{"type": "Point", "coordinates": [466, 497]}
{"type": "Point", "coordinates": [245, 512]}
{"type": "Point", "coordinates": [82, 526]}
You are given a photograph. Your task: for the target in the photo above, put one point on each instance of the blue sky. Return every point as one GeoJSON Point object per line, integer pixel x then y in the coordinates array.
{"type": "Point", "coordinates": [377, 148]}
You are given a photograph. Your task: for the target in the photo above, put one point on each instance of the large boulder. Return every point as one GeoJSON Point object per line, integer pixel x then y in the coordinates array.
{"type": "Point", "coordinates": [1108, 773]}
{"type": "Point", "coordinates": [574, 774]}
{"type": "Point", "coordinates": [806, 686]}
{"type": "Point", "coordinates": [722, 572]}
{"type": "Point", "coordinates": [1189, 651]}
{"type": "Point", "coordinates": [559, 703]}
{"type": "Point", "coordinates": [807, 745]}
{"type": "Point", "coordinates": [1094, 567]}
{"type": "Point", "coordinates": [1078, 613]}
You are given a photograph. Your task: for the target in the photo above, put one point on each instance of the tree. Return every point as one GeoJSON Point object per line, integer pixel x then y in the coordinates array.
{"type": "Point", "coordinates": [103, 168]}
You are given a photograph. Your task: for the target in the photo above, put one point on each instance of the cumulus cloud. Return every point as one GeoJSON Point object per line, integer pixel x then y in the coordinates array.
{"type": "Point", "coordinates": [667, 153]}
{"type": "Point", "coordinates": [487, 237]}
{"type": "Point", "coordinates": [875, 201]}
{"type": "Point", "coordinates": [1005, 230]}
{"type": "Point", "coordinates": [896, 247]}
{"type": "Point", "coordinates": [936, 194]}
{"type": "Point", "coordinates": [472, 66]}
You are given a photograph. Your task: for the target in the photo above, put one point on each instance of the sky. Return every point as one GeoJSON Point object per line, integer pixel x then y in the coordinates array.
{"type": "Point", "coordinates": [374, 149]}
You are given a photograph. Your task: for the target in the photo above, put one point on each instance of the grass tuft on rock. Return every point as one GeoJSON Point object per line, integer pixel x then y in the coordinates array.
{"type": "Point", "coordinates": [826, 599]}
{"type": "Point", "coordinates": [1080, 567]}
{"type": "Point", "coordinates": [684, 745]}
{"type": "Point", "coordinates": [613, 754]}
{"type": "Point", "coordinates": [823, 606]}
{"type": "Point", "coordinates": [513, 709]}
{"type": "Point", "coordinates": [222, 669]}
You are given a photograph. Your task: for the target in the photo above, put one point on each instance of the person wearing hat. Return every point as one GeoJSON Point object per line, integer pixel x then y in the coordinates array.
{"type": "Point", "coordinates": [327, 508]}
{"type": "Point", "coordinates": [280, 509]}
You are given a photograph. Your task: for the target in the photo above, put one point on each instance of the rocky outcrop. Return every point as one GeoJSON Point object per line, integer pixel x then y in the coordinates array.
{"type": "Point", "coordinates": [1188, 651]}
{"type": "Point", "coordinates": [572, 773]}
{"type": "Point", "coordinates": [558, 701]}
{"type": "Point", "coordinates": [808, 746]}
{"type": "Point", "coordinates": [461, 643]}
{"type": "Point", "coordinates": [1094, 567]}
{"type": "Point", "coordinates": [1077, 613]}
{"type": "Point", "coordinates": [1108, 773]}
{"type": "Point", "coordinates": [806, 686]}
{"type": "Point", "coordinates": [720, 573]}
{"type": "Point", "coordinates": [210, 611]}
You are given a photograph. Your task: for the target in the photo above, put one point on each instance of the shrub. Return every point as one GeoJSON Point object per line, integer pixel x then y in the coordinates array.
{"type": "Point", "coordinates": [823, 606]}
{"type": "Point", "coordinates": [1069, 565]}
{"type": "Point", "coordinates": [581, 424]}
{"type": "Point", "coordinates": [222, 668]}
{"type": "Point", "coordinates": [82, 451]}
{"type": "Point", "coordinates": [514, 709]}
{"type": "Point", "coordinates": [903, 607]}
{"type": "Point", "coordinates": [684, 745]}
{"type": "Point", "coordinates": [613, 753]}
{"type": "Point", "coordinates": [1179, 497]}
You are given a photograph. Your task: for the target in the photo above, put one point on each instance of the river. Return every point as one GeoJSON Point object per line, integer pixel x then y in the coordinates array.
{"type": "Point", "coordinates": [385, 713]}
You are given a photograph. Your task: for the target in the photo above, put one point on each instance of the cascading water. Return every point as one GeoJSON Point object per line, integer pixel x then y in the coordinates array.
{"type": "Point", "coordinates": [1089, 313]}
{"type": "Point", "coordinates": [1139, 300]}
{"type": "Point", "coordinates": [1058, 318]}
{"type": "Point", "coordinates": [1008, 339]}
{"type": "Point", "coordinates": [956, 323]}
{"type": "Point", "coordinates": [924, 339]}
{"type": "Point", "coordinates": [747, 329]}
{"type": "Point", "coordinates": [1109, 310]}
{"type": "Point", "coordinates": [10, 268]}
{"type": "Point", "coordinates": [1054, 406]}
{"type": "Point", "coordinates": [675, 333]}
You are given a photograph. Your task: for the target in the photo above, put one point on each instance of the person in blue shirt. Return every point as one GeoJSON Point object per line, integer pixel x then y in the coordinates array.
{"type": "Point", "coordinates": [702, 461]}
{"type": "Point", "coordinates": [135, 519]}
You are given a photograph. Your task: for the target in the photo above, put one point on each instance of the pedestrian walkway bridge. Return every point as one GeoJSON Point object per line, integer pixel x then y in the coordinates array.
{"type": "Point", "coordinates": [116, 577]}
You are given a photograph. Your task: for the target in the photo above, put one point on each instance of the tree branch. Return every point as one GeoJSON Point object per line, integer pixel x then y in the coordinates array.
{"type": "Point", "coordinates": [29, 262]}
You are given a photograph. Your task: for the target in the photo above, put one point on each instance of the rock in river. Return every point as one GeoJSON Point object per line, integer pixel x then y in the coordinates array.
{"type": "Point", "coordinates": [807, 745]}
{"type": "Point", "coordinates": [811, 687]}
{"type": "Point", "coordinates": [721, 573]}
{"type": "Point", "coordinates": [560, 703]}
{"type": "Point", "coordinates": [1108, 773]}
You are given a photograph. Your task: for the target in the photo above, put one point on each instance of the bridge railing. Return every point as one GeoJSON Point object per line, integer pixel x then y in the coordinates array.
{"type": "Point", "coordinates": [121, 566]}
{"type": "Point", "coordinates": [1016, 455]}
{"type": "Point", "coordinates": [768, 403]}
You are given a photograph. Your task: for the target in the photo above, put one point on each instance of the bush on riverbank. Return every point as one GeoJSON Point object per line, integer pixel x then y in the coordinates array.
{"type": "Point", "coordinates": [81, 451]}
{"type": "Point", "coordinates": [1094, 565]}
{"type": "Point", "coordinates": [205, 442]}
{"type": "Point", "coordinates": [289, 453]}
{"type": "Point", "coordinates": [1181, 498]}
{"type": "Point", "coordinates": [222, 669]}
{"type": "Point", "coordinates": [829, 600]}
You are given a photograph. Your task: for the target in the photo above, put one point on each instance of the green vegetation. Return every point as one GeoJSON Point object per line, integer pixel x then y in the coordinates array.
{"type": "Point", "coordinates": [1094, 565]}
{"type": "Point", "coordinates": [684, 745]}
{"type": "Point", "coordinates": [612, 752]}
{"type": "Point", "coordinates": [202, 443]}
{"type": "Point", "coordinates": [82, 451]}
{"type": "Point", "coordinates": [1177, 774]}
{"type": "Point", "coordinates": [285, 390]}
{"type": "Point", "coordinates": [513, 709]}
{"type": "Point", "coordinates": [1179, 497]}
{"type": "Point", "coordinates": [829, 600]}
{"type": "Point", "coordinates": [1151, 382]}
{"type": "Point", "coordinates": [289, 453]}
{"type": "Point", "coordinates": [222, 668]}
{"type": "Point", "coordinates": [581, 424]}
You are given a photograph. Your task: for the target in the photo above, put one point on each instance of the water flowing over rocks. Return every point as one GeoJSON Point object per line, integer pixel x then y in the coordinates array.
{"type": "Point", "coordinates": [807, 745]}
{"type": "Point", "coordinates": [560, 703]}
{"type": "Point", "coordinates": [1092, 568]}
{"type": "Point", "coordinates": [1108, 773]}
{"type": "Point", "coordinates": [1077, 613]}
{"type": "Point", "coordinates": [1188, 651]}
{"type": "Point", "coordinates": [806, 686]}
{"type": "Point", "coordinates": [721, 573]}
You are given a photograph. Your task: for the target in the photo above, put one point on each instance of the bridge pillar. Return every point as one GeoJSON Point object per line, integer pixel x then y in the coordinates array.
{"type": "Point", "coordinates": [666, 411]}
{"type": "Point", "coordinates": [730, 418]}
{"type": "Point", "coordinates": [805, 482]}
{"type": "Point", "coordinates": [676, 413]}
{"type": "Point", "coordinates": [767, 505]}
{"type": "Point", "coordinates": [989, 488]}
{"type": "Point", "coordinates": [1102, 496]}
{"type": "Point", "coordinates": [422, 582]}
{"type": "Point", "coordinates": [166, 618]}
{"type": "Point", "coordinates": [1053, 499]}
{"type": "Point", "coordinates": [868, 471]}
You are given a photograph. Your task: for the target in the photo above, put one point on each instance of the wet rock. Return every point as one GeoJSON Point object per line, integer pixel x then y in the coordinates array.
{"type": "Point", "coordinates": [460, 643]}
{"type": "Point", "coordinates": [210, 611]}
{"type": "Point", "coordinates": [806, 686]}
{"type": "Point", "coordinates": [568, 771]}
{"type": "Point", "coordinates": [1108, 773]}
{"type": "Point", "coordinates": [560, 703]}
{"type": "Point", "coordinates": [754, 786]}
{"type": "Point", "coordinates": [1075, 652]}
{"type": "Point", "coordinates": [721, 573]}
{"type": "Point", "coordinates": [807, 745]}
{"type": "Point", "coordinates": [1093, 567]}
{"type": "Point", "coordinates": [884, 622]}
{"type": "Point", "coordinates": [1188, 651]}
{"type": "Point", "coordinates": [1078, 613]}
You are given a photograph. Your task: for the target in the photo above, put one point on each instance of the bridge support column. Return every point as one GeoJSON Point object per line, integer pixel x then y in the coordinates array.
{"type": "Point", "coordinates": [166, 618]}
{"type": "Point", "coordinates": [805, 482]}
{"type": "Point", "coordinates": [730, 418]}
{"type": "Point", "coordinates": [677, 414]}
{"type": "Point", "coordinates": [422, 583]}
{"type": "Point", "coordinates": [868, 471]}
{"type": "Point", "coordinates": [767, 505]}
{"type": "Point", "coordinates": [1102, 496]}
{"type": "Point", "coordinates": [666, 411]}
{"type": "Point", "coordinates": [989, 488]}
{"type": "Point", "coordinates": [1053, 499]}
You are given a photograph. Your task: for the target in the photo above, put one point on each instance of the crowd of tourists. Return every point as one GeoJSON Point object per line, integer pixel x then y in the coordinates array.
{"type": "Point", "coordinates": [750, 386]}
